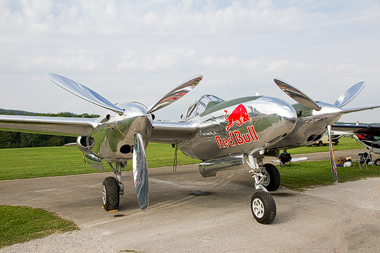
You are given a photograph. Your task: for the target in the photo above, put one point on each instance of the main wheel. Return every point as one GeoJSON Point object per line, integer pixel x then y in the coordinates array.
{"type": "Point", "coordinates": [110, 194]}
{"type": "Point", "coordinates": [273, 178]}
{"type": "Point", "coordinates": [263, 207]}
{"type": "Point", "coordinates": [377, 162]}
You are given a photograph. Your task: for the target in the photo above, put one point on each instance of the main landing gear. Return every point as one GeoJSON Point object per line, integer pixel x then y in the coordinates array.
{"type": "Point", "coordinates": [266, 178]}
{"type": "Point", "coordinates": [113, 189]}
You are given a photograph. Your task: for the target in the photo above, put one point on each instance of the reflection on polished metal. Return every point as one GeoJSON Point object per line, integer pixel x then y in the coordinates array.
{"type": "Point", "coordinates": [94, 161]}
{"type": "Point", "coordinates": [211, 167]}
{"type": "Point", "coordinates": [297, 95]}
{"type": "Point", "coordinates": [176, 94]}
{"type": "Point", "coordinates": [350, 94]}
{"type": "Point", "coordinates": [140, 173]}
{"type": "Point", "coordinates": [84, 92]}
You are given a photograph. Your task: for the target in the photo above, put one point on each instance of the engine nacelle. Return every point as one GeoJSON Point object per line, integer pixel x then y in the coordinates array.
{"type": "Point", "coordinates": [85, 143]}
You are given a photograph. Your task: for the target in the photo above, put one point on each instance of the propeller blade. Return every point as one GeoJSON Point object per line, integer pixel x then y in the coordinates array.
{"type": "Point", "coordinates": [297, 95]}
{"type": "Point", "coordinates": [140, 173]}
{"type": "Point", "coordinates": [176, 94]}
{"type": "Point", "coordinates": [349, 94]}
{"type": "Point", "coordinates": [332, 157]}
{"type": "Point", "coordinates": [84, 92]}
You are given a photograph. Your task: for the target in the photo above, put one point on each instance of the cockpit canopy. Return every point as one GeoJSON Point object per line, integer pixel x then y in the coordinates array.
{"type": "Point", "coordinates": [200, 106]}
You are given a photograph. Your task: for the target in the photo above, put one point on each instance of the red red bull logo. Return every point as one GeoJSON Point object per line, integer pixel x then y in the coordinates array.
{"type": "Point", "coordinates": [239, 116]}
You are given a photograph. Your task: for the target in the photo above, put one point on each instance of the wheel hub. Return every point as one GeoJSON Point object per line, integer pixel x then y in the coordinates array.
{"type": "Point", "coordinates": [258, 208]}
{"type": "Point", "coordinates": [104, 194]}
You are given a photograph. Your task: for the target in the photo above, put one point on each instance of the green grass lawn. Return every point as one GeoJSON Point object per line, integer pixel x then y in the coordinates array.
{"type": "Point", "coordinates": [59, 161]}
{"type": "Point", "coordinates": [19, 224]}
{"type": "Point", "coordinates": [344, 143]}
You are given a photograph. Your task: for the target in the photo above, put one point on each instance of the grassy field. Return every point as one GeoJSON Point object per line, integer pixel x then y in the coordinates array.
{"type": "Point", "coordinates": [19, 224]}
{"type": "Point", "coordinates": [344, 144]}
{"type": "Point", "coordinates": [58, 161]}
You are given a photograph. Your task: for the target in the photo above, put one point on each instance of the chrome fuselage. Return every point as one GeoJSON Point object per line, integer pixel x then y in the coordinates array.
{"type": "Point", "coordinates": [241, 126]}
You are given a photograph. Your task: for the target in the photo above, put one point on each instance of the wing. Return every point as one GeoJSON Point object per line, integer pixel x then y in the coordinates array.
{"type": "Point", "coordinates": [48, 125]}
{"type": "Point", "coordinates": [357, 129]}
{"type": "Point", "coordinates": [172, 132]}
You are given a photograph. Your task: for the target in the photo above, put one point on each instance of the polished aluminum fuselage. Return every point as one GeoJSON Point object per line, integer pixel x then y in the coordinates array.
{"type": "Point", "coordinates": [270, 120]}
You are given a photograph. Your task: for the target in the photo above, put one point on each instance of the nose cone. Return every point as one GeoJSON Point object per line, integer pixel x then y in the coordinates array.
{"type": "Point", "coordinates": [328, 115]}
{"type": "Point", "coordinates": [281, 118]}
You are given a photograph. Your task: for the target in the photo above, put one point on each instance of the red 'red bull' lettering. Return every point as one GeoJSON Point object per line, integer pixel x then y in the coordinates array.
{"type": "Point", "coordinates": [240, 138]}
{"type": "Point", "coordinates": [239, 115]}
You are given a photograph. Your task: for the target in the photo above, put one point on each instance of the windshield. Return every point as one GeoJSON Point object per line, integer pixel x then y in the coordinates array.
{"type": "Point", "coordinates": [200, 106]}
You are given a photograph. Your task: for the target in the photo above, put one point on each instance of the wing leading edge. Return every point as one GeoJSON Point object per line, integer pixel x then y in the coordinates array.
{"type": "Point", "coordinates": [172, 132]}
{"type": "Point", "coordinates": [48, 125]}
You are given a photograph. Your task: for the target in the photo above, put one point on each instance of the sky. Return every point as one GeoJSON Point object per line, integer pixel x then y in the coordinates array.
{"type": "Point", "coordinates": [140, 50]}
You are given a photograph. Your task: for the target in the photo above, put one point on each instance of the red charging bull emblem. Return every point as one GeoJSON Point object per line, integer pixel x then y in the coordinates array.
{"type": "Point", "coordinates": [240, 116]}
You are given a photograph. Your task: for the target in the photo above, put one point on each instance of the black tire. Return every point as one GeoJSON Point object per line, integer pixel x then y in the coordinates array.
{"type": "Point", "coordinates": [377, 162]}
{"type": "Point", "coordinates": [263, 207]}
{"type": "Point", "coordinates": [110, 194]}
{"type": "Point", "coordinates": [274, 179]}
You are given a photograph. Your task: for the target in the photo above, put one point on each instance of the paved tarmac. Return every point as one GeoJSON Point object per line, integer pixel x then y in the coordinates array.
{"type": "Point", "coordinates": [338, 218]}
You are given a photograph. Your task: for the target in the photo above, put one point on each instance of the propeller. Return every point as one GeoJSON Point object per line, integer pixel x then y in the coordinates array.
{"type": "Point", "coordinates": [84, 92]}
{"type": "Point", "coordinates": [349, 94]}
{"type": "Point", "coordinates": [343, 99]}
{"type": "Point", "coordinates": [140, 167]}
{"type": "Point", "coordinates": [297, 95]}
{"type": "Point", "coordinates": [176, 94]}
{"type": "Point", "coordinates": [140, 173]}
{"type": "Point", "coordinates": [332, 156]}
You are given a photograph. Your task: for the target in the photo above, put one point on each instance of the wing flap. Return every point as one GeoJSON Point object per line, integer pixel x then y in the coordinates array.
{"type": "Point", "coordinates": [48, 125]}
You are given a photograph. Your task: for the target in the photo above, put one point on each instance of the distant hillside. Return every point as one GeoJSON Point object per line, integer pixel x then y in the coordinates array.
{"type": "Point", "coordinates": [61, 114]}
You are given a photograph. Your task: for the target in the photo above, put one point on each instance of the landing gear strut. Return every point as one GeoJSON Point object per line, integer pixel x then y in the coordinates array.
{"type": "Point", "coordinates": [266, 178]}
{"type": "Point", "coordinates": [113, 189]}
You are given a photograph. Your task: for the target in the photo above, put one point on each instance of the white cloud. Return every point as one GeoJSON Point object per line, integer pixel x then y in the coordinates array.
{"type": "Point", "coordinates": [143, 45]}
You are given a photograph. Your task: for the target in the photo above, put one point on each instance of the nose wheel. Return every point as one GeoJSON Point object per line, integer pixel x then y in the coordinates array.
{"type": "Point", "coordinates": [110, 194]}
{"type": "Point", "coordinates": [263, 207]}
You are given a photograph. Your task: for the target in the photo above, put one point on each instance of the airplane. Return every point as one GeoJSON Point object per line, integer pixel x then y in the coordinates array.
{"type": "Point", "coordinates": [223, 134]}
{"type": "Point", "coordinates": [367, 135]}
{"type": "Point", "coordinates": [220, 133]}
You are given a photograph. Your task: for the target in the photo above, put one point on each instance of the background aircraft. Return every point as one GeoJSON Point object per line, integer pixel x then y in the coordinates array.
{"type": "Point", "coordinates": [368, 135]}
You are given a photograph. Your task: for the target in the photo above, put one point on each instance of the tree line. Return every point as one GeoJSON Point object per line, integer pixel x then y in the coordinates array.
{"type": "Point", "coordinates": [10, 139]}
